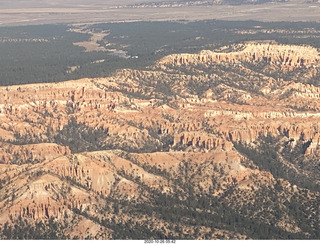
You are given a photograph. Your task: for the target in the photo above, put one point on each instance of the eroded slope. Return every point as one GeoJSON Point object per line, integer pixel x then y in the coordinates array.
{"type": "Point", "coordinates": [214, 145]}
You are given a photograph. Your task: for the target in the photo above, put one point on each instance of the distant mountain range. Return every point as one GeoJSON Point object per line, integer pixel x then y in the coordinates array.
{"type": "Point", "coordinates": [154, 3]}
{"type": "Point", "coordinates": [240, 2]}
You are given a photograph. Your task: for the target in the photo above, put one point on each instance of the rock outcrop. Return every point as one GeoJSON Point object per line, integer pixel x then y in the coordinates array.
{"type": "Point", "coordinates": [283, 55]}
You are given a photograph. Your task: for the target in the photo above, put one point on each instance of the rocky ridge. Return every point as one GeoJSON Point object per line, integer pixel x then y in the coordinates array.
{"type": "Point", "coordinates": [283, 55]}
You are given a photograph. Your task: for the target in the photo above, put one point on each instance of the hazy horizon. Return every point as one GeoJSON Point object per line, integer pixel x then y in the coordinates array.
{"type": "Point", "coordinates": [34, 12]}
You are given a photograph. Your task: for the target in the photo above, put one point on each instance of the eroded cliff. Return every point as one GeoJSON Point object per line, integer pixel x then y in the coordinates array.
{"type": "Point", "coordinates": [193, 130]}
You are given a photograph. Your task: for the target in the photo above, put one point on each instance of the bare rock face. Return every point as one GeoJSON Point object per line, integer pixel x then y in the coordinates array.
{"type": "Point", "coordinates": [288, 57]}
{"type": "Point", "coordinates": [33, 153]}
{"type": "Point", "coordinates": [190, 127]}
